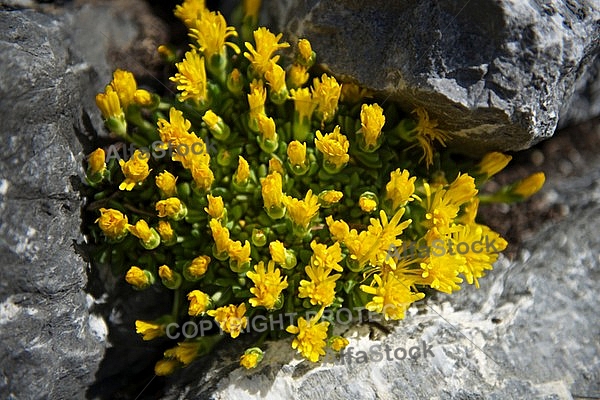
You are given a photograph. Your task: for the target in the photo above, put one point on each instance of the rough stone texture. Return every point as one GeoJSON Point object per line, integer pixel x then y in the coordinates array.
{"type": "Point", "coordinates": [530, 332]}
{"type": "Point", "coordinates": [495, 74]}
{"type": "Point", "coordinates": [51, 345]}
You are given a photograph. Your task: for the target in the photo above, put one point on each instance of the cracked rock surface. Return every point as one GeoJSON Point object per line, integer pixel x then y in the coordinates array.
{"type": "Point", "coordinates": [52, 65]}
{"type": "Point", "coordinates": [496, 74]}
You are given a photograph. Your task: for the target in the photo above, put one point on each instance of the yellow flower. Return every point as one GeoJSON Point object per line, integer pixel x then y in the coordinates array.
{"type": "Point", "coordinates": [256, 102]}
{"type": "Point", "coordinates": [199, 302]}
{"type": "Point", "coordinates": [296, 153]}
{"type": "Point", "coordinates": [242, 172]}
{"type": "Point", "coordinates": [210, 119]}
{"type": "Point", "coordinates": [166, 274]}
{"type": "Point", "coordinates": [444, 204]}
{"type": "Point", "coordinates": [191, 78]}
{"type": "Point", "coordinates": [165, 367]}
{"type": "Point", "coordinates": [190, 11]}
{"type": "Point", "coordinates": [238, 253]}
{"type": "Point", "coordinates": [302, 212]}
{"type": "Point", "coordinates": [530, 185]}
{"type": "Point", "coordinates": [166, 182]}
{"type": "Point", "coordinates": [266, 127]}
{"type": "Point", "coordinates": [275, 165]}
{"type": "Point", "coordinates": [339, 229]}
{"type": "Point", "coordinates": [268, 285]}
{"type": "Point", "coordinates": [326, 93]}
{"type": "Point", "coordinates": [303, 103]}
{"type": "Point", "coordinates": [202, 174]}
{"type": "Point", "coordinates": [297, 76]}
{"type": "Point", "coordinates": [251, 358]}
{"type": "Point", "coordinates": [149, 329]}
{"type": "Point", "coordinates": [366, 204]}
{"type": "Point", "coordinates": [327, 198]}
{"type": "Point", "coordinates": [165, 231]}
{"type": "Point", "coordinates": [493, 162]}
{"type": "Point", "coordinates": [185, 352]}
{"type": "Point", "coordinates": [310, 340]}
{"type": "Point", "coordinates": [199, 266]}
{"type": "Point", "coordinates": [138, 278]}
{"type": "Point", "coordinates": [172, 131]}
{"type": "Point", "coordinates": [275, 76]}
{"type": "Point", "coordinates": [326, 257]}
{"type": "Point", "coordinates": [143, 98]}
{"type": "Point", "coordinates": [135, 170]}
{"type": "Point", "coordinates": [109, 104]}
{"type": "Point", "coordinates": [210, 32]}
{"type": "Point", "coordinates": [334, 147]}
{"type": "Point", "coordinates": [220, 235]}
{"type": "Point", "coordinates": [215, 208]}
{"type": "Point", "coordinates": [427, 132]}
{"type": "Point", "coordinates": [96, 162]}
{"type": "Point", "coordinates": [321, 287]}
{"type": "Point", "coordinates": [278, 252]}
{"type": "Point", "coordinates": [338, 343]}
{"type": "Point", "coordinates": [392, 296]}
{"type": "Point", "coordinates": [230, 318]}
{"type": "Point", "coordinates": [271, 187]}
{"type": "Point", "coordinates": [441, 273]}
{"type": "Point", "coordinates": [305, 51]}
{"type": "Point", "coordinates": [400, 189]}
{"type": "Point", "coordinates": [171, 208]}
{"type": "Point", "coordinates": [124, 84]}
{"type": "Point", "coordinates": [477, 258]}
{"type": "Point", "coordinates": [113, 223]}
{"type": "Point", "coordinates": [371, 122]}
{"type": "Point", "coordinates": [266, 44]}
{"type": "Point", "coordinates": [142, 231]}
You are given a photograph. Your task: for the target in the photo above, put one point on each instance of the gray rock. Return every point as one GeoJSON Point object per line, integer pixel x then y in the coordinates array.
{"type": "Point", "coordinates": [530, 332]}
{"type": "Point", "coordinates": [51, 344]}
{"type": "Point", "coordinates": [496, 74]}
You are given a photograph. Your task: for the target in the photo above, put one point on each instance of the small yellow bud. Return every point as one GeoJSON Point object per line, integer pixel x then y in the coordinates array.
{"type": "Point", "coordinates": [251, 358]}
{"type": "Point", "coordinates": [493, 162]}
{"type": "Point", "coordinates": [143, 98]}
{"type": "Point", "coordinates": [211, 119]}
{"type": "Point", "coordinates": [165, 231]}
{"type": "Point", "coordinates": [197, 268]}
{"type": "Point", "coordinates": [166, 182]}
{"type": "Point", "coordinates": [296, 152]}
{"type": "Point", "coordinates": [243, 172]}
{"type": "Point", "coordinates": [275, 165]}
{"type": "Point", "coordinates": [215, 207]}
{"type": "Point", "coordinates": [139, 278]}
{"type": "Point", "coordinates": [330, 197]}
{"type": "Point", "coordinates": [96, 162]}
{"type": "Point", "coordinates": [305, 50]}
{"type": "Point", "coordinates": [266, 128]}
{"type": "Point", "coordinates": [530, 185]}
{"type": "Point", "coordinates": [166, 367]}
{"type": "Point", "coordinates": [172, 208]}
{"type": "Point", "coordinates": [113, 223]}
{"type": "Point", "coordinates": [170, 278]}
{"type": "Point", "coordinates": [149, 329]}
{"type": "Point", "coordinates": [338, 343]}
{"type": "Point", "coordinates": [109, 104]}
{"type": "Point", "coordinates": [371, 121]}
{"type": "Point", "coordinates": [367, 205]}
{"type": "Point", "coordinates": [199, 302]}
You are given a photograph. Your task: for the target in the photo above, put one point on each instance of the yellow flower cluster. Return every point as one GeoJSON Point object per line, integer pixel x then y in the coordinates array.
{"type": "Point", "coordinates": [258, 190]}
